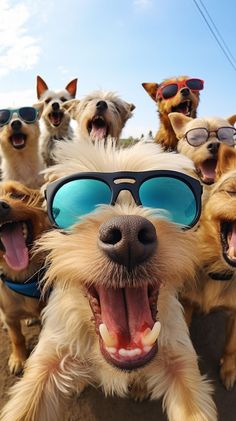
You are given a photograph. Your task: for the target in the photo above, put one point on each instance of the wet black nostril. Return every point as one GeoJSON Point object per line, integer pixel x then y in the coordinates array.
{"type": "Point", "coordinates": [101, 105]}
{"type": "Point", "coordinates": [112, 236]}
{"type": "Point", "coordinates": [55, 106]}
{"type": "Point", "coordinates": [16, 125]}
{"type": "Point", "coordinates": [213, 147]}
{"type": "Point", "coordinates": [4, 208]}
{"type": "Point", "coordinates": [145, 236]}
{"type": "Point", "coordinates": [185, 91]}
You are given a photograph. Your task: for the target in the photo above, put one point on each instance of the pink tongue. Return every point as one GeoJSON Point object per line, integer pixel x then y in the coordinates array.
{"type": "Point", "coordinates": [232, 242]}
{"type": "Point", "coordinates": [16, 255]}
{"type": "Point", "coordinates": [98, 133]}
{"type": "Point", "coordinates": [126, 312]}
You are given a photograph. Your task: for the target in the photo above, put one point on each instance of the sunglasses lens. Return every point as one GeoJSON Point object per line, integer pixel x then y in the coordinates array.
{"type": "Point", "coordinates": [28, 114]}
{"type": "Point", "coordinates": [197, 137]}
{"type": "Point", "coordinates": [227, 135]}
{"type": "Point", "coordinates": [77, 198]}
{"type": "Point", "coordinates": [4, 117]}
{"type": "Point", "coordinates": [169, 90]}
{"type": "Point", "coordinates": [171, 195]}
{"type": "Point", "coordinates": [195, 84]}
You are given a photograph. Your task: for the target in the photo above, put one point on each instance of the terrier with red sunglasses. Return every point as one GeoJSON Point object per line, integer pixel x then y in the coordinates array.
{"type": "Point", "coordinates": [180, 94]}
{"type": "Point", "coordinates": [19, 139]}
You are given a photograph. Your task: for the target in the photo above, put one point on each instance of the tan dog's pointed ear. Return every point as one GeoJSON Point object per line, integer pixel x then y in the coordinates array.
{"type": "Point", "coordinates": [39, 106]}
{"type": "Point", "coordinates": [71, 107]}
{"type": "Point", "coordinates": [226, 160]}
{"type": "Point", "coordinates": [151, 89]}
{"type": "Point", "coordinates": [72, 87]}
{"type": "Point", "coordinates": [231, 119]}
{"type": "Point", "coordinates": [41, 87]}
{"type": "Point", "coordinates": [178, 122]}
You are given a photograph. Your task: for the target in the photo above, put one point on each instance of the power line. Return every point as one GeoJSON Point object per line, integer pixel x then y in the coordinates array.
{"type": "Point", "coordinates": [215, 36]}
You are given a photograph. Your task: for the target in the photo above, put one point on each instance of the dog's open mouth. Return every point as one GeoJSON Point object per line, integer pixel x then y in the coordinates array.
{"type": "Point", "coordinates": [207, 171]}
{"type": "Point", "coordinates": [228, 241]}
{"type": "Point", "coordinates": [98, 128]}
{"type": "Point", "coordinates": [56, 118]}
{"type": "Point", "coordinates": [184, 107]}
{"type": "Point", "coordinates": [126, 323]}
{"type": "Point", "coordinates": [16, 238]}
{"type": "Point", "coordinates": [18, 140]}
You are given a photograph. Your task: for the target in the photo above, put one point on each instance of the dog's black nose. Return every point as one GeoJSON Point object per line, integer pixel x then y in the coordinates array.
{"type": "Point", "coordinates": [55, 106]}
{"type": "Point", "coordinates": [16, 125]}
{"type": "Point", "coordinates": [213, 147]}
{"type": "Point", "coordinates": [4, 209]}
{"type": "Point", "coordinates": [128, 240]}
{"type": "Point", "coordinates": [101, 106]}
{"type": "Point", "coordinates": [185, 91]}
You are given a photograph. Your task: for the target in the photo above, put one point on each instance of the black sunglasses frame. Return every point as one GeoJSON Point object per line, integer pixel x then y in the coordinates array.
{"type": "Point", "coordinates": [208, 133]}
{"type": "Point", "coordinates": [19, 111]}
{"type": "Point", "coordinates": [139, 177]}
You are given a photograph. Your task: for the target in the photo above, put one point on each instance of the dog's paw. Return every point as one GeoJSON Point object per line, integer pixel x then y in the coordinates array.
{"type": "Point", "coordinates": [16, 364]}
{"type": "Point", "coordinates": [228, 371]}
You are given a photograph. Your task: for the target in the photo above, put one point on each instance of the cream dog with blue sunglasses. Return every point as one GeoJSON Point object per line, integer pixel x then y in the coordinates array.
{"type": "Point", "coordinates": [112, 318]}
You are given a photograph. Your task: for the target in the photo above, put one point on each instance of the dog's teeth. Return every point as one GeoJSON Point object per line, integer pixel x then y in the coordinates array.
{"type": "Point", "coordinates": [231, 253]}
{"type": "Point", "coordinates": [111, 349]}
{"type": "Point", "coordinates": [108, 338]}
{"type": "Point", "coordinates": [150, 336]}
{"type": "Point", "coordinates": [129, 352]}
{"type": "Point", "coordinates": [24, 229]}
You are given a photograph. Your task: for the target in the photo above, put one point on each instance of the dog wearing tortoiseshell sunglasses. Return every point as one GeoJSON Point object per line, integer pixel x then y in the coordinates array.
{"type": "Point", "coordinates": [177, 94]}
{"type": "Point", "coordinates": [19, 142]}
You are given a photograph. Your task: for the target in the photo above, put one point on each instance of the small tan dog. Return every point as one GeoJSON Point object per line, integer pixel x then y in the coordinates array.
{"type": "Point", "coordinates": [55, 118]}
{"type": "Point", "coordinates": [100, 115]}
{"type": "Point", "coordinates": [216, 283]}
{"type": "Point", "coordinates": [19, 139]}
{"type": "Point", "coordinates": [177, 94]}
{"type": "Point", "coordinates": [22, 221]}
{"type": "Point", "coordinates": [113, 319]}
{"type": "Point", "coordinates": [200, 139]}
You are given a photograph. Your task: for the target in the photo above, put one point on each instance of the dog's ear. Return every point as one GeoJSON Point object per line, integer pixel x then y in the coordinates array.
{"type": "Point", "coordinates": [231, 119]}
{"type": "Point", "coordinates": [72, 87]}
{"type": "Point", "coordinates": [151, 89]}
{"type": "Point", "coordinates": [39, 106]}
{"type": "Point", "coordinates": [131, 107]}
{"type": "Point", "coordinates": [179, 122]}
{"type": "Point", "coordinates": [226, 160]}
{"type": "Point", "coordinates": [71, 106]}
{"type": "Point", "coordinates": [41, 87]}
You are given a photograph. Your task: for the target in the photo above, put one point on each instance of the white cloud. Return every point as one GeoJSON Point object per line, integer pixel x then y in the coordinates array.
{"type": "Point", "coordinates": [18, 98]}
{"type": "Point", "coordinates": [142, 4]}
{"type": "Point", "coordinates": [18, 49]}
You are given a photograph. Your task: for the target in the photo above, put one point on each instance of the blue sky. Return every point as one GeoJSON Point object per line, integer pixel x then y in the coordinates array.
{"type": "Point", "coordinates": [116, 45]}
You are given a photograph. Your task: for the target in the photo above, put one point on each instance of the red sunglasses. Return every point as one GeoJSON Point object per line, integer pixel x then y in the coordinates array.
{"type": "Point", "coordinates": [171, 89]}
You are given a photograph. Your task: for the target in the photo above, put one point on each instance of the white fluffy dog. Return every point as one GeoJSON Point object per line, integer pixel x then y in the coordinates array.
{"type": "Point", "coordinates": [114, 277]}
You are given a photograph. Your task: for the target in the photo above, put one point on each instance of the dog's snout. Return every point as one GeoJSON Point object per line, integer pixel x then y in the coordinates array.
{"type": "Point", "coordinates": [55, 106]}
{"type": "Point", "coordinates": [4, 208]}
{"type": "Point", "coordinates": [128, 240]}
{"type": "Point", "coordinates": [16, 125]}
{"type": "Point", "coordinates": [101, 105]}
{"type": "Point", "coordinates": [185, 91]}
{"type": "Point", "coordinates": [213, 147]}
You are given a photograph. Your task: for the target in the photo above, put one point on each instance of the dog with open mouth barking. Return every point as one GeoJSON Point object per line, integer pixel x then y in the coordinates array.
{"type": "Point", "coordinates": [201, 138]}
{"type": "Point", "coordinates": [113, 318]}
{"type": "Point", "coordinates": [56, 120]}
{"type": "Point", "coordinates": [177, 94]}
{"type": "Point", "coordinates": [215, 287]}
{"type": "Point", "coordinates": [100, 115]}
{"type": "Point", "coordinates": [19, 142]}
{"type": "Point", "coordinates": [22, 221]}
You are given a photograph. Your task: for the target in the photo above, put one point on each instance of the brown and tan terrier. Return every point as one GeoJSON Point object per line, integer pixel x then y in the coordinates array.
{"type": "Point", "coordinates": [215, 286]}
{"type": "Point", "coordinates": [177, 94]}
{"type": "Point", "coordinates": [22, 221]}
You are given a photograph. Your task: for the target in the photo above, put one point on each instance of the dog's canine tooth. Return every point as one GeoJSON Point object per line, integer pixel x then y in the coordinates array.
{"type": "Point", "coordinates": [108, 338]}
{"type": "Point", "coordinates": [231, 253]}
{"type": "Point", "coordinates": [150, 336]}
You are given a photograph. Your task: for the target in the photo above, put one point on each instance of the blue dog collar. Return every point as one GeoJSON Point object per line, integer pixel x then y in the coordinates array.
{"type": "Point", "coordinates": [30, 288]}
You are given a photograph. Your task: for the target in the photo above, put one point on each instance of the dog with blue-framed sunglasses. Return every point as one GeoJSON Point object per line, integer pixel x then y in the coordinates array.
{"type": "Point", "coordinates": [19, 142]}
{"type": "Point", "coordinates": [120, 251]}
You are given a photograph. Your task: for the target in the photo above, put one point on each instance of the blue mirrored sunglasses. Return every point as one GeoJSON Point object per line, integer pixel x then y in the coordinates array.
{"type": "Point", "coordinates": [77, 195]}
{"type": "Point", "coordinates": [28, 114]}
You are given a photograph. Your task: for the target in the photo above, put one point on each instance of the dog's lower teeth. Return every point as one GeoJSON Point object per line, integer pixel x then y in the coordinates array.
{"type": "Point", "coordinates": [129, 352]}
{"type": "Point", "coordinates": [231, 253]}
{"type": "Point", "coordinates": [24, 229]}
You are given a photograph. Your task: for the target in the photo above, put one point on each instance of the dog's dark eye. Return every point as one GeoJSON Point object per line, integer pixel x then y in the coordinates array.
{"type": "Point", "coordinates": [118, 109]}
{"type": "Point", "coordinates": [47, 100]}
{"type": "Point", "coordinates": [17, 195]}
{"type": "Point", "coordinates": [231, 193]}
{"type": "Point", "coordinates": [63, 99]}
